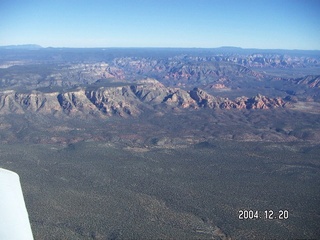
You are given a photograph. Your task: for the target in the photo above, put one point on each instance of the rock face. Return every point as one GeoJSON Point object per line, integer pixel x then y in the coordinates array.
{"type": "Point", "coordinates": [203, 99]}
{"type": "Point", "coordinates": [150, 90]}
{"type": "Point", "coordinates": [123, 100]}
{"type": "Point", "coordinates": [114, 100]}
{"type": "Point", "coordinates": [13, 102]}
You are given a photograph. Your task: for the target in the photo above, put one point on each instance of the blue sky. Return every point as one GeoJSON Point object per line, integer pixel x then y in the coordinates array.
{"type": "Point", "coordinates": [285, 24]}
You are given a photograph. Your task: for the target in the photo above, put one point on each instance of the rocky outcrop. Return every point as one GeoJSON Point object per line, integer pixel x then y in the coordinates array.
{"type": "Point", "coordinates": [263, 102]}
{"type": "Point", "coordinates": [180, 98]}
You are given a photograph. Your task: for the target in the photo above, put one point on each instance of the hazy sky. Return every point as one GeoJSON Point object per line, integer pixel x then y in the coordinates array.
{"type": "Point", "coordinates": [286, 24]}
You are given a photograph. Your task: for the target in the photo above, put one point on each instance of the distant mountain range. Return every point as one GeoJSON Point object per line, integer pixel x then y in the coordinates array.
{"type": "Point", "coordinates": [73, 81]}
{"type": "Point", "coordinates": [137, 95]}
{"type": "Point", "coordinates": [222, 49]}
{"type": "Point", "coordinates": [23, 46]}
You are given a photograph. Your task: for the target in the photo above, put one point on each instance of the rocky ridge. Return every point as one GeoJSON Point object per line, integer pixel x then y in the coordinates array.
{"type": "Point", "coordinates": [127, 100]}
{"type": "Point", "coordinates": [311, 81]}
{"type": "Point", "coordinates": [264, 60]}
{"type": "Point", "coordinates": [181, 69]}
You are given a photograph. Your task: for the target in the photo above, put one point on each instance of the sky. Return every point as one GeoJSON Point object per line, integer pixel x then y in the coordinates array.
{"type": "Point", "coordinates": [266, 24]}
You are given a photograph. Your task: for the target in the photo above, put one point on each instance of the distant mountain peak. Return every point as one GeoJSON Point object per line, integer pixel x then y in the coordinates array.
{"type": "Point", "coordinates": [229, 47]}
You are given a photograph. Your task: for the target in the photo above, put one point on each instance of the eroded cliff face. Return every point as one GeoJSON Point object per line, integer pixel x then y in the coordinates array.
{"type": "Point", "coordinates": [114, 100]}
{"type": "Point", "coordinates": [204, 99]}
{"type": "Point", "coordinates": [15, 102]}
{"type": "Point", "coordinates": [129, 100]}
{"type": "Point", "coordinates": [100, 102]}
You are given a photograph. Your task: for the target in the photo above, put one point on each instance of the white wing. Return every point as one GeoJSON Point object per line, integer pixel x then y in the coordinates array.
{"type": "Point", "coordinates": [14, 220]}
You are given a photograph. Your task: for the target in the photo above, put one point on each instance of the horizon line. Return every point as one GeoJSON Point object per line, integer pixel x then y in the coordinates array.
{"type": "Point", "coordinates": [38, 46]}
